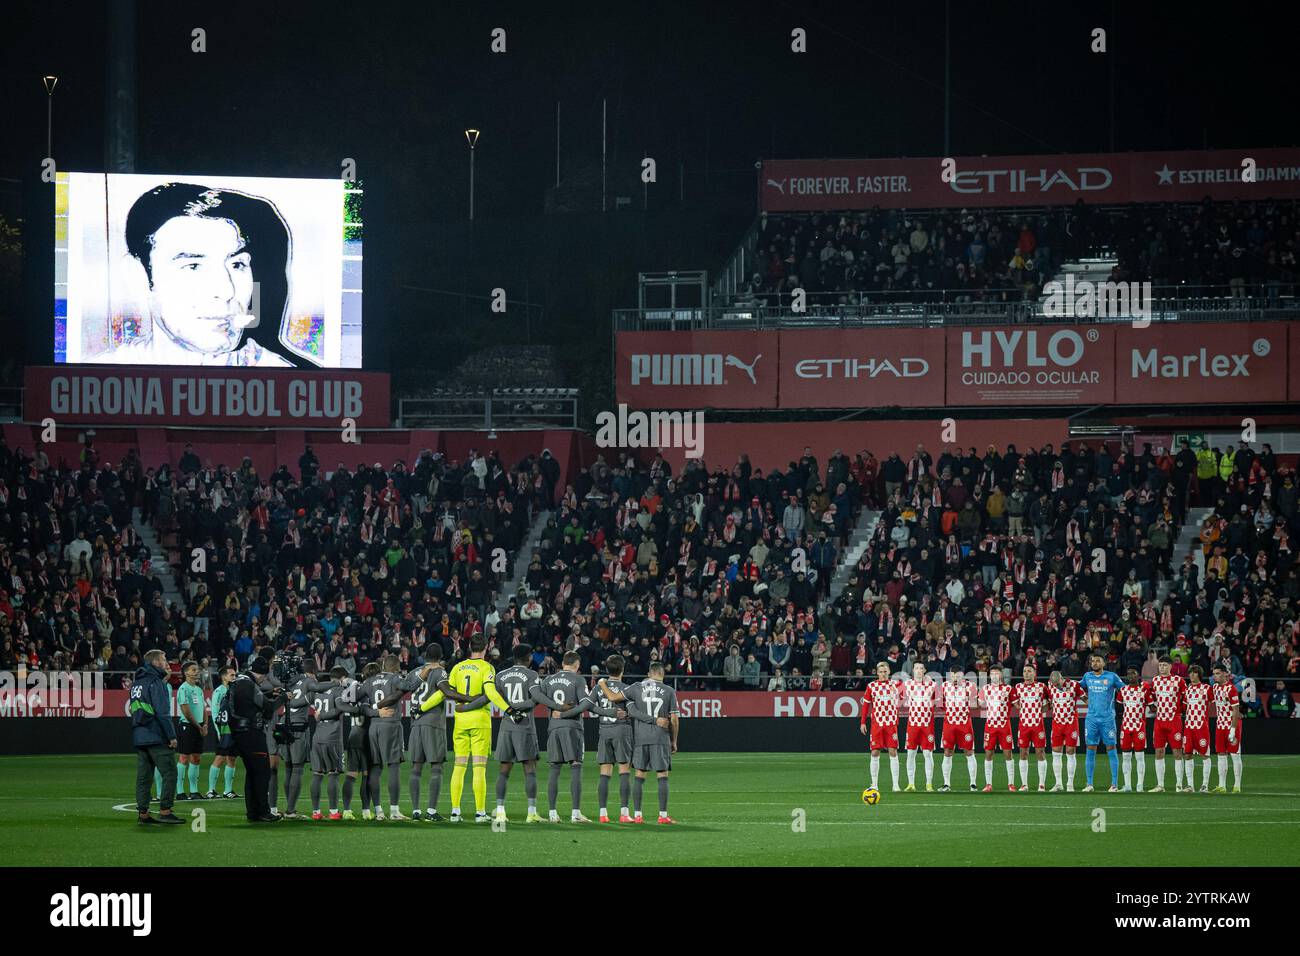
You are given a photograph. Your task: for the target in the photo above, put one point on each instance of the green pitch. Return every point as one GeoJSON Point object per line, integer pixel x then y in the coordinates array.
{"type": "Point", "coordinates": [734, 810]}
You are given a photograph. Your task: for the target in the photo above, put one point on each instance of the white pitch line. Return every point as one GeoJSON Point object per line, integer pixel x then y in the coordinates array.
{"type": "Point", "coordinates": [1218, 808]}
{"type": "Point", "coordinates": [928, 824]}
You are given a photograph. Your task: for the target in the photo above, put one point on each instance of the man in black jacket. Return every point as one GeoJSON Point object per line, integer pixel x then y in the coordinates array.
{"type": "Point", "coordinates": [252, 702]}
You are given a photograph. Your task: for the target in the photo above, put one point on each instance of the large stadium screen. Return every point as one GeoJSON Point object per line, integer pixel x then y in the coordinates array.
{"type": "Point", "coordinates": [207, 270]}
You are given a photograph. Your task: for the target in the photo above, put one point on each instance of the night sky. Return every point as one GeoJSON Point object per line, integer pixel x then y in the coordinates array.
{"type": "Point", "coordinates": [705, 88]}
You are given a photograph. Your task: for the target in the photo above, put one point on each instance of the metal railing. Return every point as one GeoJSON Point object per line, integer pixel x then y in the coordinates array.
{"type": "Point", "coordinates": [513, 409]}
{"type": "Point", "coordinates": [943, 307]}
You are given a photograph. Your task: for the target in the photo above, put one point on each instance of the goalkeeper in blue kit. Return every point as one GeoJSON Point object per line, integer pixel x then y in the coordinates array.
{"type": "Point", "coordinates": [1101, 686]}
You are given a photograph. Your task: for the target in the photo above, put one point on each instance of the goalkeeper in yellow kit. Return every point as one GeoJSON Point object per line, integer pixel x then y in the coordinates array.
{"type": "Point", "coordinates": [475, 678]}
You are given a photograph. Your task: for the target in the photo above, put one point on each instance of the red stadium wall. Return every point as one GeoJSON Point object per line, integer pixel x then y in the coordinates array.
{"type": "Point", "coordinates": [969, 367]}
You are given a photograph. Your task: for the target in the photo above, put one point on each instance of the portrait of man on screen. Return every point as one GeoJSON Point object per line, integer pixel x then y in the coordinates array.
{"type": "Point", "coordinates": [204, 252]}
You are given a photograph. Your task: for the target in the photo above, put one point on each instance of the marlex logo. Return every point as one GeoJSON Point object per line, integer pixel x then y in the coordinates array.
{"type": "Point", "coordinates": [1200, 363]}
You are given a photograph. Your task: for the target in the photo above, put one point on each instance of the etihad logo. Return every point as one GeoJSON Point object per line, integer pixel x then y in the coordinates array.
{"type": "Point", "coordinates": [689, 369]}
{"type": "Point", "coordinates": [1082, 179]}
{"type": "Point", "coordinates": [1199, 364]}
{"type": "Point", "coordinates": [851, 368]}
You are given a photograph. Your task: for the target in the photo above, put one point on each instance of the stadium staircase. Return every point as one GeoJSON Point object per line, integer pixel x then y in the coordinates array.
{"type": "Point", "coordinates": [1188, 535]}
{"type": "Point", "coordinates": [1095, 268]}
{"type": "Point", "coordinates": [858, 541]}
{"type": "Point", "coordinates": [159, 561]}
{"type": "Point", "coordinates": [522, 560]}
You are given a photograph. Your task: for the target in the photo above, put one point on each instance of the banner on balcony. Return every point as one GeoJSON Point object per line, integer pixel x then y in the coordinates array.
{"type": "Point", "coordinates": [808, 185]}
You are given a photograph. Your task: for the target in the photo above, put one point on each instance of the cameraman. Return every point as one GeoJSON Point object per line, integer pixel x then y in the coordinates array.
{"type": "Point", "coordinates": [253, 699]}
{"type": "Point", "coordinates": [293, 733]}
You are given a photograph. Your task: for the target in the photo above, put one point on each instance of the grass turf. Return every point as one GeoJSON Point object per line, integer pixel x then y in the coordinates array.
{"type": "Point", "coordinates": [734, 810]}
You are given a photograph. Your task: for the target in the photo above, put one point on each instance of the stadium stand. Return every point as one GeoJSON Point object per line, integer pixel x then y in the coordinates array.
{"type": "Point", "coordinates": [801, 578]}
{"type": "Point", "coordinates": [1204, 257]}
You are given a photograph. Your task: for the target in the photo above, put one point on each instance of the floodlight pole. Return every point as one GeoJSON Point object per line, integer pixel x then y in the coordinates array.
{"type": "Point", "coordinates": [471, 137]}
{"type": "Point", "coordinates": [50, 82]}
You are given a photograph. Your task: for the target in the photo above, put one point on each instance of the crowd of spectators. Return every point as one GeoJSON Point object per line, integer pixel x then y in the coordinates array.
{"type": "Point", "coordinates": [1004, 557]}
{"type": "Point", "coordinates": [1215, 248]}
{"type": "Point", "coordinates": [345, 565]}
{"type": "Point", "coordinates": [951, 255]}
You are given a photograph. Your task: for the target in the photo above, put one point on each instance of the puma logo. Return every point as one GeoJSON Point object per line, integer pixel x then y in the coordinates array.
{"type": "Point", "coordinates": [747, 369]}
{"type": "Point", "coordinates": [778, 185]}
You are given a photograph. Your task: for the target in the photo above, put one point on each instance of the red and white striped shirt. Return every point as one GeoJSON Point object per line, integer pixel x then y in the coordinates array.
{"type": "Point", "coordinates": [1225, 699]}
{"type": "Point", "coordinates": [1196, 709]}
{"type": "Point", "coordinates": [880, 700]}
{"type": "Point", "coordinates": [1134, 699]}
{"type": "Point", "coordinates": [1030, 697]}
{"type": "Point", "coordinates": [996, 699]}
{"type": "Point", "coordinates": [957, 701]}
{"type": "Point", "coordinates": [1168, 695]}
{"type": "Point", "coordinates": [1065, 702]}
{"type": "Point", "coordinates": [919, 696]}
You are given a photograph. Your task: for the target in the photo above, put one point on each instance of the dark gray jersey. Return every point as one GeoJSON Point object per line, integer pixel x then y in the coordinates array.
{"type": "Point", "coordinates": [328, 700]}
{"type": "Point", "coordinates": [382, 687]}
{"type": "Point", "coordinates": [355, 723]}
{"type": "Point", "coordinates": [607, 709]}
{"type": "Point", "coordinates": [564, 690]}
{"type": "Point", "coordinates": [297, 707]}
{"type": "Point", "coordinates": [436, 716]}
{"type": "Point", "coordinates": [647, 701]}
{"type": "Point", "coordinates": [522, 689]}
